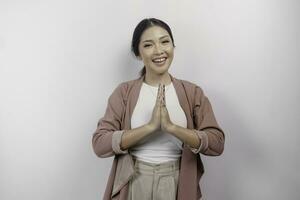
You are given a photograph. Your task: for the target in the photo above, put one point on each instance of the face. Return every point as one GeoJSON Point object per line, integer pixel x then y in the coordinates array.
{"type": "Point", "coordinates": [156, 50]}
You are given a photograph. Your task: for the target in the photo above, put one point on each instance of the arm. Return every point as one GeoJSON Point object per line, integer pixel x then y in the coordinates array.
{"type": "Point", "coordinates": [107, 137]}
{"type": "Point", "coordinates": [206, 127]}
{"type": "Point", "coordinates": [206, 137]}
{"type": "Point", "coordinates": [133, 136]}
{"type": "Point", "coordinates": [206, 142]}
{"type": "Point", "coordinates": [187, 136]}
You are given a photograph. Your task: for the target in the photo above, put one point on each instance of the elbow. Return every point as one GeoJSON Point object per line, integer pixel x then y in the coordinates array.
{"type": "Point", "coordinates": [103, 155]}
{"type": "Point", "coordinates": [99, 152]}
{"type": "Point", "coordinates": [219, 148]}
{"type": "Point", "coordinates": [219, 151]}
{"type": "Point", "coordinates": [215, 146]}
{"type": "Point", "coordinates": [100, 149]}
{"type": "Point", "coordinates": [221, 144]}
{"type": "Point", "coordinates": [214, 151]}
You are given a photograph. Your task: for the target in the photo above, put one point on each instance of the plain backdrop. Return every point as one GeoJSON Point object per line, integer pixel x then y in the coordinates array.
{"type": "Point", "coordinates": [60, 60]}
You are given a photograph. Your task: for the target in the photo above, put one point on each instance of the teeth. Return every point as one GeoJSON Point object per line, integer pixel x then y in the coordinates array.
{"type": "Point", "coordinates": [159, 60]}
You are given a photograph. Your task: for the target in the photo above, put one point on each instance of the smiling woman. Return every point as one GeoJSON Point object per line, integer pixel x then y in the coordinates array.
{"type": "Point", "coordinates": [156, 126]}
{"type": "Point", "coordinates": [156, 49]}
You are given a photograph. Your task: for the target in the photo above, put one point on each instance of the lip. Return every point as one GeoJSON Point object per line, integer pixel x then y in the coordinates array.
{"type": "Point", "coordinates": [160, 64]}
{"type": "Point", "coordinates": [160, 58]}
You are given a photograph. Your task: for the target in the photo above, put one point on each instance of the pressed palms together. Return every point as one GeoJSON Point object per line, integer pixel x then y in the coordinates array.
{"type": "Point", "coordinates": [160, 119]}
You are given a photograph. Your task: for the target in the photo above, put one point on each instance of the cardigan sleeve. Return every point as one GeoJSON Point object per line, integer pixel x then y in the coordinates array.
{"type": "Point", "coordinates": [206, 127]}
{"type": "Point", "coordinates": [107, 137]}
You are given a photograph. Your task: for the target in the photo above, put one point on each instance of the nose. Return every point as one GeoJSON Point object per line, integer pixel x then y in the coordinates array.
{"type": "Point", "coordinates": [158, 49]}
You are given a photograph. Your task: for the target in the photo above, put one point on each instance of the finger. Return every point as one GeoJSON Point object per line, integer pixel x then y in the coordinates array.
{"type": "Point", "coordinates": [164, 96]}
{"type": "Point", "coordinates": [161, 94]}
{"type": "Point", "coordinates": [158, 95]}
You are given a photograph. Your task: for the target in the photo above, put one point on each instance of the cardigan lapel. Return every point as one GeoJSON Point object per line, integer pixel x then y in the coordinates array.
{"type": "Point", "coordinates": [125, 165]}
{"type": "Point", "coordinates": [188, 168]}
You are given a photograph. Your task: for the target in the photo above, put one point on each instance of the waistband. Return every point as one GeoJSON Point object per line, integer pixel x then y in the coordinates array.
{"type": "Point", "coordinates": [157, 166]}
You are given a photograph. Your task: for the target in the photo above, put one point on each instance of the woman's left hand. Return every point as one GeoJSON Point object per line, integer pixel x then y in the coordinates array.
{"type": "Point", "coordinates": [166, 123]}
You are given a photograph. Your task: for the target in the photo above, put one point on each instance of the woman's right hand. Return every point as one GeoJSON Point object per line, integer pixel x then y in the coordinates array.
{"type": "Point", "coordinates": [154, 123]}
{"type": "Point", "coordinates": [133, 136]}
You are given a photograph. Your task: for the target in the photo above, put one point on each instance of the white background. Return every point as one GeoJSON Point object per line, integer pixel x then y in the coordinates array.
{"type": "Point", "coordinates": [60, 60]}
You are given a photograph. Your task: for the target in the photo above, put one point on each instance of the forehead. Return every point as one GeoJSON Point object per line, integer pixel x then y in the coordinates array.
{"type": "Point", "coordinates": [153, 33]}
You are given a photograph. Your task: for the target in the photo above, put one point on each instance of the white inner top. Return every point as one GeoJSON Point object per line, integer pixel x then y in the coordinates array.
{"type": "Point", "coordinates": [159, 146]}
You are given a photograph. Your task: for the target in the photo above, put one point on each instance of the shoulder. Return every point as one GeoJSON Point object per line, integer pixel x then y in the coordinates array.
{"type": "Point", "coordinates": [195, 94]}
{"type": "Point", "coordinates": [122, 88]}
{"type": "Point", "coordinates": [191, 87]}
{"type": "Point", "coordinates": [128, 83]}
{"type": "Point", "coordinates": [125, 85]}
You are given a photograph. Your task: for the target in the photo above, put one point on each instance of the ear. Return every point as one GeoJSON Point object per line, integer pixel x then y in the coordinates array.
{"type": "Point", "coordinates": [139, 58]}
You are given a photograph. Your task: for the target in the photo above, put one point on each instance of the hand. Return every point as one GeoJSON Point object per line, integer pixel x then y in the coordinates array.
{"type": "Point", "coordinates": [166, 122]}
{"type": "Point", "coordinates": [155, 122]}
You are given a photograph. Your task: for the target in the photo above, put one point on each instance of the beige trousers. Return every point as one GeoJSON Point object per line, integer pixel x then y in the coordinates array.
{"type": "Point", "coordinates": [154, 181]}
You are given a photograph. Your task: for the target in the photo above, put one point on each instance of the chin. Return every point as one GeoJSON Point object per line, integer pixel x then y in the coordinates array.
{"type": "Point", "coordinates": [161, 70]}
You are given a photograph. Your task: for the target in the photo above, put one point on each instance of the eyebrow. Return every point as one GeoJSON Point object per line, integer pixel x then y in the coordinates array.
{"type": "Point", "coordinates": [159, 38]}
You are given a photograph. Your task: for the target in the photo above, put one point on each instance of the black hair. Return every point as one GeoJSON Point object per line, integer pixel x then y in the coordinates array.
{"type": "Point", "coordinates": [138, 31]}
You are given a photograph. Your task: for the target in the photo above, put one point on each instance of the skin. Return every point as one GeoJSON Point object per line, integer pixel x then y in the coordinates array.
{"type": "Point", "coordinates": [156, 42]}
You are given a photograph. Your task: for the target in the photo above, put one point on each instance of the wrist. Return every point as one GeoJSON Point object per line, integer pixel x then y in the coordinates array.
{"type": "Point", "coordinates": [149, 128]}
{"type": "Point", "coordinates": [172, 128]}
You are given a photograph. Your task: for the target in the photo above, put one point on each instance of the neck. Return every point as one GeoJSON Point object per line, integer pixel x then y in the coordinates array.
{"type": "Point", "coordinates": [155, 79]}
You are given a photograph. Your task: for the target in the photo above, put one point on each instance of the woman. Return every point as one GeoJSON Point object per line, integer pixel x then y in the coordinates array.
{"type": "Point", "coordinates": [156, 126]}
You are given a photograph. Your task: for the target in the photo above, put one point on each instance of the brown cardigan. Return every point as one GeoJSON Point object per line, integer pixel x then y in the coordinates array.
{"type": "Point", "coordinates": [117, 118]}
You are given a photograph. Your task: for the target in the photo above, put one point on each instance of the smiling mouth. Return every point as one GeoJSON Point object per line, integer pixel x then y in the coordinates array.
{"type": "Point", "coordinates": [159, 60]}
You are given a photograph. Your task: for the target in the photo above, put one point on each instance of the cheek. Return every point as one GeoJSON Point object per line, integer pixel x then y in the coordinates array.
{"type": "Point", "coordinates": [171, 54]}
{"type": "Point", "coordinates": [146, 58]}
{"type": "Point", "coordinates": [169, 49]}
{"type": "Point", "coordinates": [147, 55]}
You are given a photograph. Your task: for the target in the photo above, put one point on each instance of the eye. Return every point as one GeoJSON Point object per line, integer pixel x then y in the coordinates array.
{"type": "Point", "coordinates": [147, 45]}
{"type": "Point", "coordinates": [166, 41]}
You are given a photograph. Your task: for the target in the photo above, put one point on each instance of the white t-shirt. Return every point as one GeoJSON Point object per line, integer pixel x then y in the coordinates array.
{"type": "Point", "coordinates": [159, 146]}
